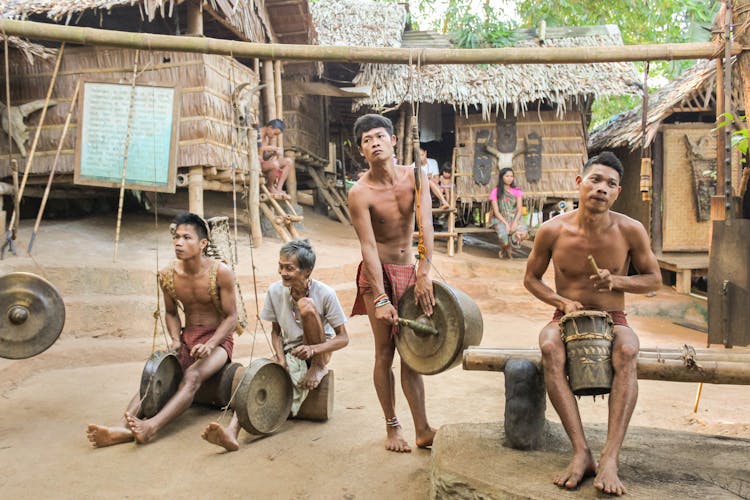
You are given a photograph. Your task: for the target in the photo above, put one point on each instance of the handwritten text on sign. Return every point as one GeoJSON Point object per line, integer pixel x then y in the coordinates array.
{"type": "Point", "coordinates": [105, 121]}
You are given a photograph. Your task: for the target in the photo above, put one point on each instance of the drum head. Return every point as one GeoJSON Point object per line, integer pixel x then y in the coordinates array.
{"type": "Point", "coordinates": [457, 320]}
{"type": "Point", "coordinates": [32, 315]}
{"type": "Point", "coordinates": [264, 397]}
{"type": "Point", "coordinates": [159, 381]}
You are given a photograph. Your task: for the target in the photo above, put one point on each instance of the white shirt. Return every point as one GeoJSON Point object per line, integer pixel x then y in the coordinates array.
{"type": "Point", "coordinates": [280, 308]}
{"type": "Point", "coordinates": [431, 168]}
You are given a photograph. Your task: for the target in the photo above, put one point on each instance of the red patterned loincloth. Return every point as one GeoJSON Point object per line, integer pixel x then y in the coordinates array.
{"type": "Point", "coordinates": [618, 317]}
{"type": "Point", "coordinates": [192, 335]}
{"type": "Point", "coordinates": [396, 279]}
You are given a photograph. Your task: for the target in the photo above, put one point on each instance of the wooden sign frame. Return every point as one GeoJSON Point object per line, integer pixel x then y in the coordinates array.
{"type": "Point", "coordinates": [103, 110]}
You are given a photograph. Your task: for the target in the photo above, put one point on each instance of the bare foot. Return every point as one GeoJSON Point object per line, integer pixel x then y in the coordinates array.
{"type": "Point", "coordinates": [607, 480]}
{"type": "Point", "coordinates": [424, 439]}
{"type": "Point", "coordinates": [395, 440]}
{"type": "Point", "coordinates": [579, 467]}
{"type": "Point", "coordinates": [143, 431]}
{"type": "Point", "coordinates": [101, 436]}
{"type": "Point", "coordinates": [312, 377]}
{"type": "Point", "coordinates": [216, 434]}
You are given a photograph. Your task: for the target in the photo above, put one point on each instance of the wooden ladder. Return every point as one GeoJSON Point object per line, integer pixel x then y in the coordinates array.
{"type": "Point", "coordinates": [334, 196]}
{"type": "Point", "coordinates": [280, 213]}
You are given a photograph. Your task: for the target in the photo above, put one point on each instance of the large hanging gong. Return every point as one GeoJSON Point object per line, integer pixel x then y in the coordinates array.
{"type": "Point", "coordinates": [264, 397]}
{"type": "Point", "coordinates": [434, 344]}
{"type": "Point", "coordinates": [32, 315]}
{"type": "Point", "coordinates": [159, 381]}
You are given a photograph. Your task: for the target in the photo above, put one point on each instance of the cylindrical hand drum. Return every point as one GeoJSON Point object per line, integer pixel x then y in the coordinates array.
{"type": "Point", "coordinates": [588, 339]}
{"type": "Point", "coordinates": [430, 345]}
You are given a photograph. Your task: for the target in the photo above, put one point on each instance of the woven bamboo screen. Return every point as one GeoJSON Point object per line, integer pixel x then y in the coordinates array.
{"type": "Point", "coordinates": [305, 123]}
{"type": "Point", "coordinates": [563, 154]}
{"type": "Point", "coordinates": [680, 227]}
{"type": "Point", "coordinates": [206, 133]}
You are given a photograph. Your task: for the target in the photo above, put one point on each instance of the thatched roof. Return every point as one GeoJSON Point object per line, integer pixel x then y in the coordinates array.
{"type": "Point", "coordinates": [491, 87]}
{"type": "Point", "coordinates": [28, 49]}
{"type": "Point", "coordinates": [360, 23]}
{"type": "Point", "coordinates": [246, 16]}
{"type": "Point", "coordinates": [692, 91]}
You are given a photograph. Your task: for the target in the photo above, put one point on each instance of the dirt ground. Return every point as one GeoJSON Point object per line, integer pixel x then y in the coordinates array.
{"type": "Point", "coordinates": [89, 374]}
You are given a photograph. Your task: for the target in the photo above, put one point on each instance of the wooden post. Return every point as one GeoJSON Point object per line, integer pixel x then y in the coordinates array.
{"type": "Point", "coordinates": [291, 180]}
{"type": "Point", "coordinates": [269, 100]}
{"type": "Point", "coordinates": [253, 197]}
{"type": "Point", "coordinates": [400, 124]}
{"type": "Point", "coordinates": [195, 190]}
{"type": "Point", "coordinates": [657, 179]}
{"type": "Point", "coordinates": [409, 154]}
{"type": "Point", "coordinates": [195, 18]}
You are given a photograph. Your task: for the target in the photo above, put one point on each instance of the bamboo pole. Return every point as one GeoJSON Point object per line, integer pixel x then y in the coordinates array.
{"type": "Point", "coordinates": [269, 101]}
{"type": "Point", "coordinates": [672, 370]}
{"type": "Point", "coordinates": [291, 180]}
{"type": "Point", "coordinates": [296, 52]}
{"type": "Point", "coordinates": [253, 188]}
{"type": "Point", "coordinates": [48, 188]}
{"type": "Point", "coordinates": [400, 124]}
{"type": "Point", "coordinates": [16, 217]}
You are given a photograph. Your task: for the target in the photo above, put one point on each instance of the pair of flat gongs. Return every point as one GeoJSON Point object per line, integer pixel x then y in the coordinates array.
{"type": "Point", "coordinates": [262, 391]}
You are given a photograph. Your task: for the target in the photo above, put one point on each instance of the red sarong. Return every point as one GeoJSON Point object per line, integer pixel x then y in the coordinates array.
{"type": "Point", "coordinates": [618, 317]}
{"type": "Point", "coordinates": [196, 334]}
{"type": "Point", "coordinates": [396, 279]}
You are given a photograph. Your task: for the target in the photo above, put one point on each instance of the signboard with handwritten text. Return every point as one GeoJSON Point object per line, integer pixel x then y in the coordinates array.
{"type": "Point", "coordinates": [140, 140]}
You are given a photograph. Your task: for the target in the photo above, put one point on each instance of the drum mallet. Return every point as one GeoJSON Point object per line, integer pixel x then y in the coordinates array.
{"type": "Point", "coordinates": [418, 327]}
{"type": "Point", "coordinates": [593, 264]}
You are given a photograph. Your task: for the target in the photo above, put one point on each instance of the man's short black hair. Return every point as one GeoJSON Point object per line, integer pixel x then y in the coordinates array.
{"type": "Point", "coordinates": [606, 158]}
{"type": "Point", "coordinates": [365, 123]}
{"type": "Point", "coordinates": [276, 123]}
{"type": "Point", "coordinates": [191, 219]}
{"type": "Point", "coordinates": [302, 250]}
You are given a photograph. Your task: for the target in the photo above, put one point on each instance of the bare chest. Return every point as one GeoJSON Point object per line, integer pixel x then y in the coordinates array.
{"type": "Point", "coordinates": [610, 251]}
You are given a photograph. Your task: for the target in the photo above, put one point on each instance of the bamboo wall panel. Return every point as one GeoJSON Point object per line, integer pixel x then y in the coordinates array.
{"type": "Point", "coordinates": [304, 120]}
{"type": "Point", "coordinates": [563, 154]}
{"type": "Point", "coordinates": [207, 135]}
{"type": "Point", "coordinates": [680, 227]}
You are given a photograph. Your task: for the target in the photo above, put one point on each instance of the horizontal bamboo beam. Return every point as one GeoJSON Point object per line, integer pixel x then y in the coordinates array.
{"type": "Point", "coordinates": [649, 368]}
{"type": "Point", "coordinates": [296, 52]}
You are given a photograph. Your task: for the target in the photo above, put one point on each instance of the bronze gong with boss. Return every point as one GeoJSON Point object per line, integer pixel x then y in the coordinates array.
{"type": "Point", "coordinates": [32, 315]}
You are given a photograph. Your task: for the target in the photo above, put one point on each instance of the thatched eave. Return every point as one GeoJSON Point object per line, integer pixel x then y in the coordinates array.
{"type": "Point", "coordinates": [248, 17]}
{"type": "Point", "coordinates": [692, 91]}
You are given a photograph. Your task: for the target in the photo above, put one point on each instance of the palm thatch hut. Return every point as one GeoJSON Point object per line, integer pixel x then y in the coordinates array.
{"type": "Point", "coordinates": [478, 118]}
{"type": "Point", "coordinates": [211, 129]}
{"type": "Point", "coordinates": [680, 132]}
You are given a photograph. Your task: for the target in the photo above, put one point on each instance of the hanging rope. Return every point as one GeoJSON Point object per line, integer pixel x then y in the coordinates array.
{"type": "Point", "coordinates": [125, 154]}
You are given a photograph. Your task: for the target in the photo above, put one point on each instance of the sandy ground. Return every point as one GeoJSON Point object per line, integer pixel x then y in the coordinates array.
{"type": "Point", "coordinates": [94, 368]}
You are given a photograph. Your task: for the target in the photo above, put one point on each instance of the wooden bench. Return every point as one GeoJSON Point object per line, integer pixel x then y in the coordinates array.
{"type": "Point", "coordinates": [684, 265]}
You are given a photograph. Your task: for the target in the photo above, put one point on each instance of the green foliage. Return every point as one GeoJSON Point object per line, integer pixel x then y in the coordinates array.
{"type": "Point", "coordinates": [471, 30]}
{"type": "Point", "coordinates": [739, 132]}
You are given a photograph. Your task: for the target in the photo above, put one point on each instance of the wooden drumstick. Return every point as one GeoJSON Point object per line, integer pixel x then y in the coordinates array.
{"type": "Point", "coordinates": [593, 264]}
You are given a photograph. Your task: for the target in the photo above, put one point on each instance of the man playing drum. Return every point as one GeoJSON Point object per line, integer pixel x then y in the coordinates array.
{"type": "Point", "coordinates": [382, 208]}
{"type": "Point", "coordinates": [615, 241]}
{"type": "Point", "coordinates": [205, 288]}
{"type": "Point", "coordinates": [308, 324]}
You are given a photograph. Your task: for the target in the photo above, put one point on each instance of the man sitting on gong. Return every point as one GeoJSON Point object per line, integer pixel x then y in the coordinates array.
{"type": "Point", "coordinates": [615, 241]}
{"type": "Point", "coordinates": [308, 324]}
{"type": "Point", "coordinates": [205, 288]}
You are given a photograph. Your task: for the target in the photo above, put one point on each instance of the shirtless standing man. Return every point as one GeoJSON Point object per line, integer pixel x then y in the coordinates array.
{"type": "Point", "coordinates": [204, 345]}
{"type": "Point", "coordinates": [308, 324]}
{"type": "Point", "coordinates": [382, 208]}
{"type": "Point", "coordinates": [615, 241]}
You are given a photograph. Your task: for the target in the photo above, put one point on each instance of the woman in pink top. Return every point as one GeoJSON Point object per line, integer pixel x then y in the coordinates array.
{"type": "Point", "coordinates": [506, 200]}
